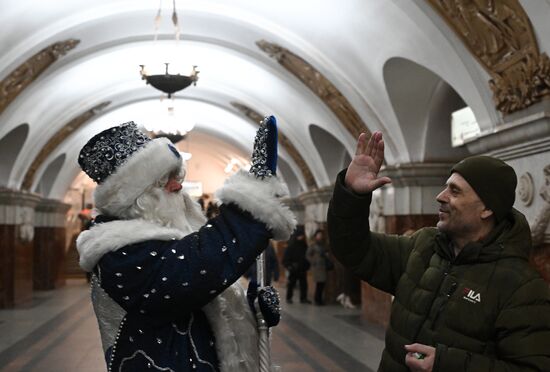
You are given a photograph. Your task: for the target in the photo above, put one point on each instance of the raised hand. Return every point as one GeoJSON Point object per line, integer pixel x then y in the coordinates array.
{"type": "Point", "coordinates": [362, 174]}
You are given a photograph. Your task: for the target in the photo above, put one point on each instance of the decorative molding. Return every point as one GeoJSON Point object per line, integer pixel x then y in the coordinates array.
{"type": "Point", "coordinates": [526, 189]}
{"type": "Point", "coordinates": [413, 190]}
{"type": "Point", "coordinates": [538, 229]}
{"type": "Point", "coordinates": [29, 70]}
{"type": "Point", "coordinates": [51, 213]}
{"type": "Point", "coordinates": [285, 142]}
{"type": "Point", "coordinates": [294, 204]}
{"type": "Point", "coordinates": [17, 208]}
{"type": "Point", "coordinates": [317, 196]}
{"type": "Point", "coordinates": [319, 85]}
{"type": "Point", "coordinates": [58, 138]}
{"type": "Point", "coordinates": [519, 136]}
{"type": "Point", "coordinates": [499, 34]}
{"type": "Point", "coordinates": [10, 197]}
{"type": "Point", "coordinates": [417, 174]}
{"type": "Point", "coordinates": [377, 220]}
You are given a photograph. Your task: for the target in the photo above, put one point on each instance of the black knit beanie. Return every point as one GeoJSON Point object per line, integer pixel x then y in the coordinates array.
{"type": "Point", "coordinates": [493, 180]}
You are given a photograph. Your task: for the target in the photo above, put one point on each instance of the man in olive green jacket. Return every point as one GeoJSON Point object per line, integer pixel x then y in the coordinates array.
{"type": "Point", "coordinates": [466, 298]}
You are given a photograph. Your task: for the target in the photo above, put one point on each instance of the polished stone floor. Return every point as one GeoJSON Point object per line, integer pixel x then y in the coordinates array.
{"type": "Point", "coordinates": [57, 332]}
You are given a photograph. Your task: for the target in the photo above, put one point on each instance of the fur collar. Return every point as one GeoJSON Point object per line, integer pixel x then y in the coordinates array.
{"type": "Point", "coordinates": [108, 237]}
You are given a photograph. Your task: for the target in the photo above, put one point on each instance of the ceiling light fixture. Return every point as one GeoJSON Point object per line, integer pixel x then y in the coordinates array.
{"type": "Point", "coordinates": [167, 82]}
{"type": "Point", "coordinates": [168, 122]}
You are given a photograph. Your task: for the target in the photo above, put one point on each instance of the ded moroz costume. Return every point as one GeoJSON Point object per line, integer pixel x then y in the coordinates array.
{"type": "Point", "coordinates": [164, 288]}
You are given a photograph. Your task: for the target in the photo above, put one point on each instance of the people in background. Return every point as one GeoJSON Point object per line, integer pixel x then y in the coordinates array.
{"type": "Point", "coordinates": [212, 210]}
{"type": "Point", "coordinates": [271, 270]}
{"type": "Point", "coordinates": [85, 216]}
{"type": "Point", "coordinates": [317, 255]}
{"type": "Point", "coordinates": [348, 282]}
{"type": "Point", "coordinates": [297, 265]}
{"type": "Point", "coordinates": [466, 298]}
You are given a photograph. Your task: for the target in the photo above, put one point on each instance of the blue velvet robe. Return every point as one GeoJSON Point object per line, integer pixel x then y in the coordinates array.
{"type": "Point", "coordinates": [162, 286]}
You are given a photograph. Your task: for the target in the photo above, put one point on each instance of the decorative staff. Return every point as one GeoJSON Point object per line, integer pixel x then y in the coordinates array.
{"type": "Point", "coordinates": [264, 164]}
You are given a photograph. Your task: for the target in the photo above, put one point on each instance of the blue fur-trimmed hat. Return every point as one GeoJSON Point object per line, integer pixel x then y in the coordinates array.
{"type": "Point", "coordinates": [123, 161]}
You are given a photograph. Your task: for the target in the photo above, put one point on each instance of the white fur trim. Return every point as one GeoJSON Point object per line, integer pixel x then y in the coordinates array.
{"type": "Point", "coordinates": [235, 331]}
{"type": "Point", "coordinates": [261, 199]}
{"type": "Point", "coordinates": [108, 237]}
{"type": "Point", "coordinates": [142, 169]}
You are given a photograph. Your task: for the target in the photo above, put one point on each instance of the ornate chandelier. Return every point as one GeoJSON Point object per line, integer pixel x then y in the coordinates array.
{"type": "Point", "coordinates": [170, 83]}
{"type": "Point", "coordinates": [167, 82]}
{"type": "Point", "coordinates": [167, 121]}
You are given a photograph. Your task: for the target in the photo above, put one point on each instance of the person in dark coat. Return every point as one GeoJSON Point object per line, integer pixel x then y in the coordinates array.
{"type": "Point", "coordinates": [317, 255]}
{"type": "Point", "coordinates": [466, 298]}
{"type": "Point", "coordinates": [295, 261]}
{"type": "Point", "coordinates": [164, 287]}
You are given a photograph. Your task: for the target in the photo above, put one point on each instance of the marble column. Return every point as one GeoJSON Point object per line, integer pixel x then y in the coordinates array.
{"type": "Point", "coordinates": [408, 204]}
{"type": "Point", "coordinates": [16, 246]}
{"type": "Point", "coordinates": [315, 204]}
{"type": "Point", "coordinates": [49, 244]}
{"type": "Point", "coordinates": [296, 207]}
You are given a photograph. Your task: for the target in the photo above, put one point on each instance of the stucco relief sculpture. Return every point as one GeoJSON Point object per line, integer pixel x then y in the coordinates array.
{"type": "Point", "coordinates": [542, 220]}
{"type": "Point", "coordinates": [25, 228]}
{"type": "Point", "coordinates": [377, 220]}
{"type": "Point", "coordinates": [28, 71]}
{"type": "Point", "coordinates": [319, 84]}
{"type": "Point", "coordinates": [501, 37]}
{"type": "Point", "coordinates": [526, 189]}
{"type": "Point", "coordinates": [284, 141]}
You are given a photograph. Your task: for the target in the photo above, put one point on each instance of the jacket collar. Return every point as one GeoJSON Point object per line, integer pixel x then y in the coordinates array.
{"type": "Point", "coordinates": [510, 238]}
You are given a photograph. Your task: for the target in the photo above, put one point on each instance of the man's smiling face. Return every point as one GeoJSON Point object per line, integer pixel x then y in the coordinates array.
{"type": "Point", "coordinates": [460, 210]}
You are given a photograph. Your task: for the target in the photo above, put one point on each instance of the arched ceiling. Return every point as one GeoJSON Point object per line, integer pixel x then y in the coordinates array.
{"type": "Point", "coordinates": [348, 42]}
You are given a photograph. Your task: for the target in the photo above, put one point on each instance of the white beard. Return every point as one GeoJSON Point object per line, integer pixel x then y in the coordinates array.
{"type": "Point", "coordinates": [176, 210]}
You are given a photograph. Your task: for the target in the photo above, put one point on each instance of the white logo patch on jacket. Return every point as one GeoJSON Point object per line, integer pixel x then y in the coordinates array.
{"type": "Point", "coordinates": [471, 295]}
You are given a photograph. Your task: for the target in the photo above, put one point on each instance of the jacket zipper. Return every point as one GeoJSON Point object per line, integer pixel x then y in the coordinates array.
{"type": "Point", "coordinates": [445, 273]}
{"type": "Point", "coordinates": [450, 292]}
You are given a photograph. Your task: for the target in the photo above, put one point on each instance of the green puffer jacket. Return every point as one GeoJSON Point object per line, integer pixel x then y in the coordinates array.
{"type": "Point", "coordinates": [484, 310]}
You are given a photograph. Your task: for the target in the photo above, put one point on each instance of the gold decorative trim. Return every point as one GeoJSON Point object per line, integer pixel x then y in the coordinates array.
{"type": "Point", "coordinates": [58, 138]}
{"type": "Point", "coordinates": [284, 142]}
{"type": "Point", "coordinates": [319, 85]}
{"type": "Point", "coordinates": [29, 70]}
{"type": "Point", "coordinates": [499, 34]}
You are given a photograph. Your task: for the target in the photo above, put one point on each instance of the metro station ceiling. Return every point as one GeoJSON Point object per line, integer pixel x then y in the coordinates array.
{"type": "Point", "coordinates": [360, 54]}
